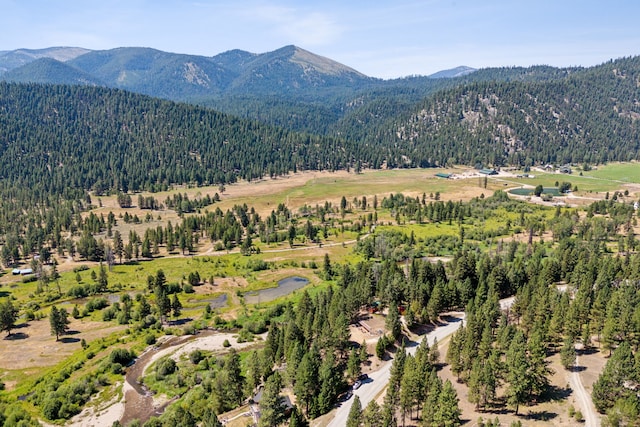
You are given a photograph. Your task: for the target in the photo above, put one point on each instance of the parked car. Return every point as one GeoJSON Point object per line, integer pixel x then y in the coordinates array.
{"type": "Point", "coordinates": [363, 377]}
{"type": "Point", "coordinates": [357, 385]}
{"type": "Point", "coordinates": [345, 396]}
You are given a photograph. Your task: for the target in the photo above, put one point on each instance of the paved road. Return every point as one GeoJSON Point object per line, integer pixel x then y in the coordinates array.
{"type": "Point", "coordinates": [380, 378]}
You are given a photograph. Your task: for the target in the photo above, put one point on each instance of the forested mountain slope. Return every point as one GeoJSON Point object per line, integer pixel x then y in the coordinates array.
{"type": "Point", "coordinates": [589, 115]}
{"type": "Point", "coordinates": [58, 138]}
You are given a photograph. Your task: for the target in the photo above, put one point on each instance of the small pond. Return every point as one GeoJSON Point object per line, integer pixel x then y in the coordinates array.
{"type": "Point", "coordinates": [218, 302]}
{"type": "Point", "coordinates": [285, 287]}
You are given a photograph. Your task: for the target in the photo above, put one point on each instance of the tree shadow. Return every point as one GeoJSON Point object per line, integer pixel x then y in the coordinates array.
{"type": "Point", "coordinates": [540, 415]}
{"type": "Point", "coordinates": [72, 332]}
{"type": "Point", "coordinates": [16, 336]}
{"type": "Point", "coordinates": [4, 294]}
{"type": "Point", "coordinates": [21, 325]}
{"type": "Point", "coordinates": [556, 393]}
{"type": "Point", "coordinates": [68, 340]}
{"type": "Point", "coordinates": [588, 350]}
{"type": "Point", "coordinates": [577, 368]}
{"type": "Point", "coordinates": [179, 322]}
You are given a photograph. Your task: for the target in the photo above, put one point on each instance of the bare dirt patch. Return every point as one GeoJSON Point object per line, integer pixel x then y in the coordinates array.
{"type": "Point", "coordinates": [551, 412]}
{"type": "Point", "coordinates": [34, 346]}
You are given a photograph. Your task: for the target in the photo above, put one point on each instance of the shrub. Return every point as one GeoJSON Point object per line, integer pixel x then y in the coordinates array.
{"type": "Point", "coordinates": [121, 356]}
{"type": "Point", "coordinates": [150, 339]}
{"type": "Point", "coordinates": [226, 344]}
{"type": "Point", "coordinates": [78, 291]}
{"type": "Point", "coordinates": [116, 368]}
{"type": "Point", "coordinates": [165, 366]}
{"type": "Point", "coordinates": [196, 356]}
{"type": "Point", "coordinates": [96, 304]}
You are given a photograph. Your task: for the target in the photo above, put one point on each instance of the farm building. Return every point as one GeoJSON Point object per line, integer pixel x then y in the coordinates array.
{"type": "Point", "coordinates": [443, 175]}
{"type": "Point", "coordinates": [488, 171]}
{"type": "Point", "coordinates": [565, 169]}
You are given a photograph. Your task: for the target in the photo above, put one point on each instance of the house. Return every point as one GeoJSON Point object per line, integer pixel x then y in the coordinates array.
{"type": "Point", "coordinates": [22, 272]}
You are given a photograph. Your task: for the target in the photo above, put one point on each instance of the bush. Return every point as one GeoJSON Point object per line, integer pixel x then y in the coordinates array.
{"type": "Point", "coordinates": [51, 407]}
{"type": "Point", "coordinates": [78, 291]}
{"type": "Point", "coordinates": [166, 366]}
{"type": "Point", "coordinates": [196, 356]}
{"type": "Point", "coordinates": [116, 368]}
{"type": "Point", "coordinates": [226, 344]}
{"type": "Point", "coordinates": [578, 416]}
{"type": "Point", "coordinates": [150, 339]}
{"type": "Point", "coordinates": [96, 304]}
{"type": "Point", "coordinates": [121, 356]}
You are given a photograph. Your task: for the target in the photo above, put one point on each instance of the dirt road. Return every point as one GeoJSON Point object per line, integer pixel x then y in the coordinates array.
{"type": "Point", "coordinates": [583, 399]}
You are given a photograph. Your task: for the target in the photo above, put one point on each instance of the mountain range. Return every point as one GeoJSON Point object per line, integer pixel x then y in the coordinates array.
{"type": "Point", "coordinates": [149, 71]}
{"type": "Point", "coordinates": [493, 116]}
{"type": "Point", "coordinates": [179, 76]}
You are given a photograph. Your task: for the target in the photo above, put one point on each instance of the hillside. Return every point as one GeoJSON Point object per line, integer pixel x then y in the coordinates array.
{"type": "Point", "coordinates": [586, 115]}
{"type": "Point", "coordinates": [51, 71]}
{"type": "Point", "coordinates": [179, 77]}
{"type": "Point", "coordinates": [12, 59]}
{"type": "Point", "coordinates": [79, 137]}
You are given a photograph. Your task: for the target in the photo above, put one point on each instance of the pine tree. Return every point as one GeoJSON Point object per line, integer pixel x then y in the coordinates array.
{"type": "Point", "coordinates": [8, 316]}
{"type": "Point", "coordinates": [58, 321]}
{"type": "Point", "coordinates": [392, 322]}
{"type": "Point", "coordinates": [447, 413]}
{"type": "Point", "coordinates": [568, 353]}
{"type": "Point", "coordinates": [307, 383]}
{"type": "Point", "coordinates": [210, 419]}
{"type": "Point", "coordinates": [517, 372]}
{"type": "Point", "coordinates": [271, 403]}
{"type": "Point", "coordinates": [610, 384]}
{"type": "Point", "coordinates": [176, 306]}
{"type": "Point", "coordinates": [371, 416]}
{"type": "Point", "coordinates": [103, 281]}
{"type": "Point", "coordinates": [118, 245]}
{"type": "Point", "coordinates": [355, 413]}
{"type": "Point", "coordinates": [353, 364]}
{"type": "Point", "coordinates": [163, 304]}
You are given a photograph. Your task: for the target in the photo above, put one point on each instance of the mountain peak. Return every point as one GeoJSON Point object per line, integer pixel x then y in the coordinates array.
{"type": "Point", "coordinates": [460, 71]}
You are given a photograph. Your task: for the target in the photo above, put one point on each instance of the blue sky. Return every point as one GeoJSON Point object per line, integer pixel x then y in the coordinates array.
{"type": "Point", "coordinates": [384, 39]}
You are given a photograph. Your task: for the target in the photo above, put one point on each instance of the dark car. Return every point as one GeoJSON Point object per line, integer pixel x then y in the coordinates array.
{"type": "Point", "coordinates": [363, 377]}
{"type": "Point", "coordinates": [345, 396]}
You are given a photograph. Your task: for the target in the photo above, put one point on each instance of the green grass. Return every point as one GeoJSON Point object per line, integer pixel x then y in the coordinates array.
{"type": "Point", "coordinates": [622, 172]}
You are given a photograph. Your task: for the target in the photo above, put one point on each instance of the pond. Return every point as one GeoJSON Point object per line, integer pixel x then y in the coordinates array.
{"type": "Point", "coordinates": [217, 302]}
{"type": "Point", "coordinates": [285, 287]}
{"type": "Point", "coordinates": [529, 191]}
